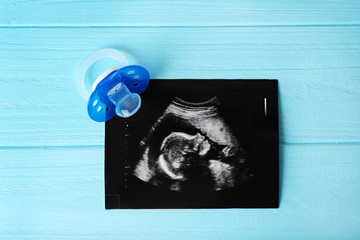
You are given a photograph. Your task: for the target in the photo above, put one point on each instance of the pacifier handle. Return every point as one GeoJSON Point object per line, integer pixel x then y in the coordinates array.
{"type": "Point", "coordinates": [90, 60]}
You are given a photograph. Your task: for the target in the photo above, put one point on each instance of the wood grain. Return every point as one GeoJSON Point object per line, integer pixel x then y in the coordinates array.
{"type": "Point", "coordinates": [317, 67]}
{"type": "Point", "coordinates": [51, 153]}
{"type": "Point", "coordinates": [58, 193]}
{"type": "Point", "coordinates": [176, 13]}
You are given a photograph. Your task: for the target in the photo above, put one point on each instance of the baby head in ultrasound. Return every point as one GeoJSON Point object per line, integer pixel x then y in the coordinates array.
{"type": "Point", "coordinates": [191, 148]}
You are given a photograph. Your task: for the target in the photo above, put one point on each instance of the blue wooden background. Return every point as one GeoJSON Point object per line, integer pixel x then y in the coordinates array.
{"type": "Point", "coordinates": [51, 153]}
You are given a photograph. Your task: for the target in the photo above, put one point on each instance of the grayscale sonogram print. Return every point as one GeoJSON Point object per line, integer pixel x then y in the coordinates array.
{"type": "Point", "coordinates": [196, 144]}
{"type": "Point", "coordinates": [203, 155]}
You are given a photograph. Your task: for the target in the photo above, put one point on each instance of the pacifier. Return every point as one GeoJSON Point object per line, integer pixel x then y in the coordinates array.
{"type": "Point", "coordinates": [116, 91]}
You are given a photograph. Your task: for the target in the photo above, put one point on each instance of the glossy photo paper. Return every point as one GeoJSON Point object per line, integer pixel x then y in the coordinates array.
{"type": "Point", "coordinates": [196, 144]}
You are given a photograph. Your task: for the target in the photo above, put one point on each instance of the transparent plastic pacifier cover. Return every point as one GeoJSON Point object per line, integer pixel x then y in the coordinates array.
{"type": "Point", "coordinates": [89, 61]}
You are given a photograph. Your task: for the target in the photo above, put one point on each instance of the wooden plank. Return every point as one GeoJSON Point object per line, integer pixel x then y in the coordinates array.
{"type": "Point", "coordinates": [58, 193]}
{"type": "Point", "coordinates": [177, 13]}
{"type": "Point", "coordinates": [318, 70]}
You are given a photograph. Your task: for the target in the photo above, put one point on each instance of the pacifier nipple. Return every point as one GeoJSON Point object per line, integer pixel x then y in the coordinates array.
{"type": "Point", "coordinates": [127, 103]}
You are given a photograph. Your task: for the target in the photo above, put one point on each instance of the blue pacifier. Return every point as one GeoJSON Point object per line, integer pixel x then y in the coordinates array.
{"type": "Point", "coordinates": [115, 91]}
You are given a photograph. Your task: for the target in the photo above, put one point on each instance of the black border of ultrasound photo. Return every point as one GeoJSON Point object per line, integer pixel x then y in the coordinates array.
{"type": "Point", "coordinates": [196, 143]}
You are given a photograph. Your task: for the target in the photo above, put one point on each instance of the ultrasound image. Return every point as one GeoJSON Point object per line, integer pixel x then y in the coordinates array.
{"type": "Point", "coordinates": [201, 153]}
{"type": "Point", "coordinates": [196, 144]}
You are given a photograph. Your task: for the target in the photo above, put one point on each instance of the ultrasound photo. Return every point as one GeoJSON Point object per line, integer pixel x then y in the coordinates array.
{"type": "Point", "coordinates": [196, 144]}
